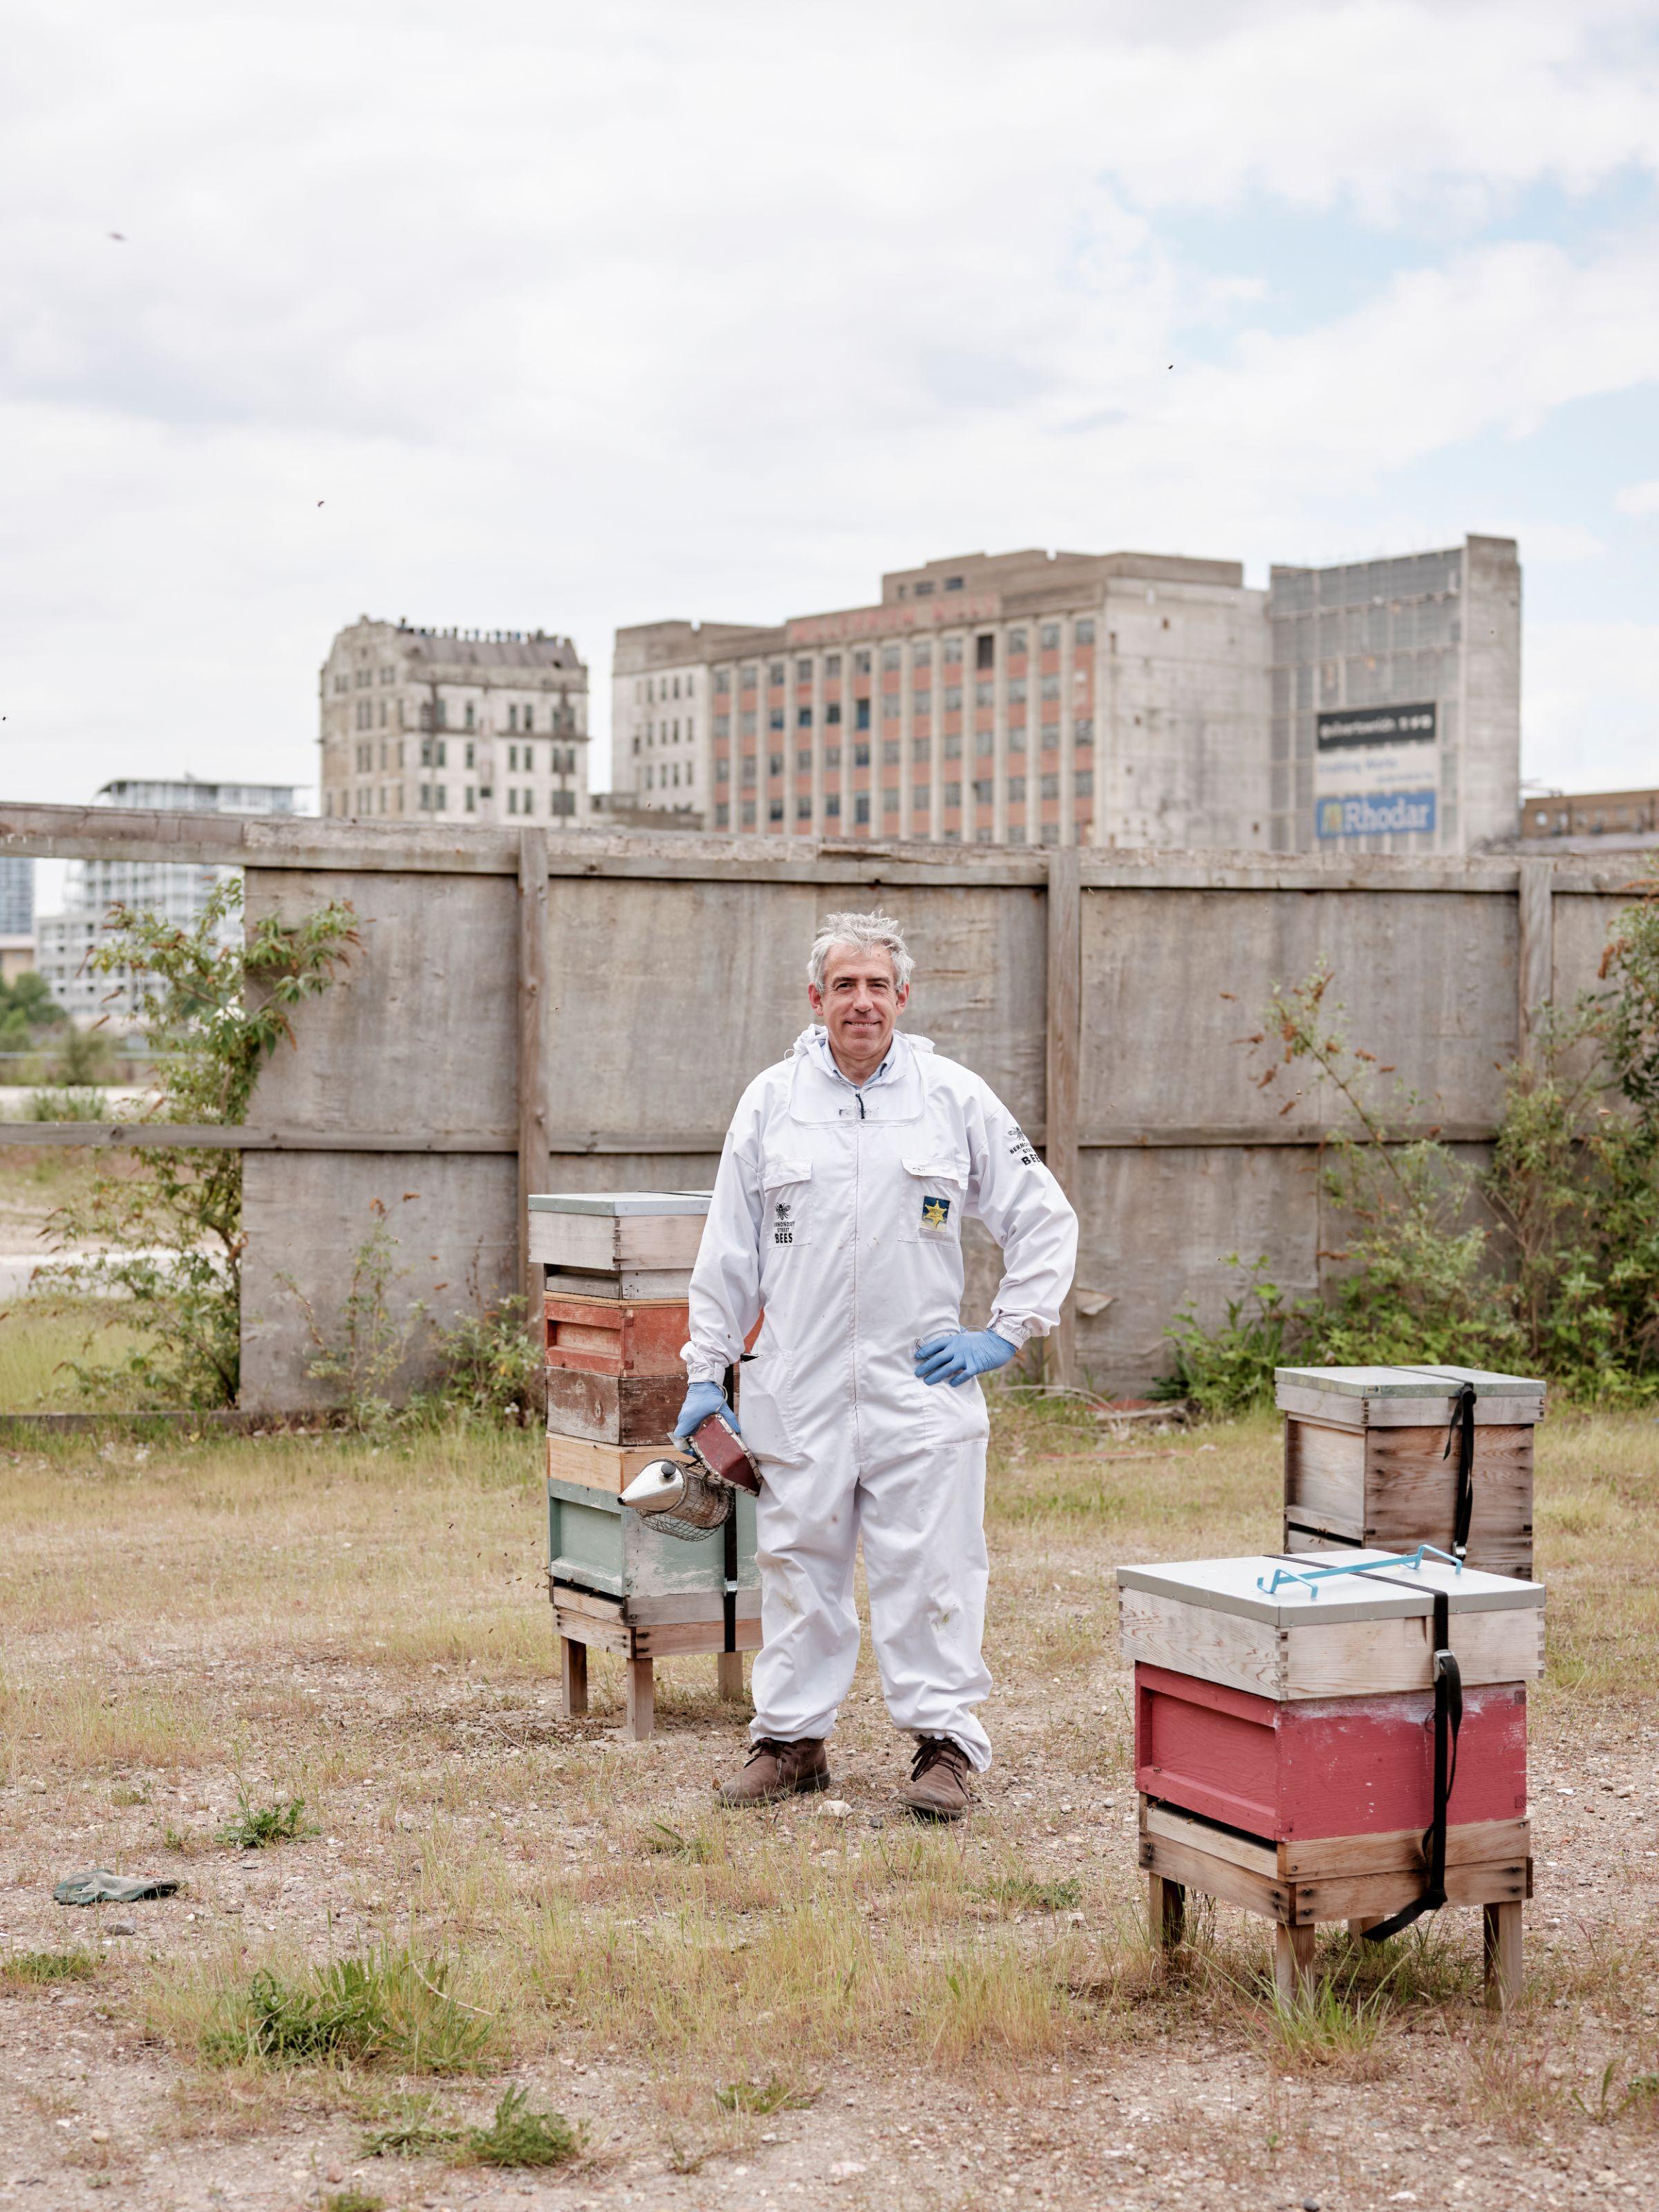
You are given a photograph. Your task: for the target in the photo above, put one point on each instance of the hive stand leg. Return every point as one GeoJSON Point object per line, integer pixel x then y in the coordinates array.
{"type": "Point", "coordinates": [1358, 1926]}
{"type": "Point", "coordinates": [1166, 1914]}
{"type": "Point", "coordinates": [573, 1677]}
{"type": "Point", "coordinates": [1501, 1930]}
{"type": "Point", "coordinates": [641, 1699]}
{"type": "Point", "coordinates": [729, 1675]}
{"type": "Point", "coordinates": [1293, 1952]}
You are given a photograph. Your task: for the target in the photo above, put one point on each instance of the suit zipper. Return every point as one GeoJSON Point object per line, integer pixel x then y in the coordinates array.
{"type": "Point", "coordinates": [858, 1159]}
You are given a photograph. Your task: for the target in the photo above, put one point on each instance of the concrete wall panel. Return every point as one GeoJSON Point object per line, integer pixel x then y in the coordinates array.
{"type": "Point", "coordinates": [1158, 1226]}
{"type": "Point", "coordinates": [1174, 979]}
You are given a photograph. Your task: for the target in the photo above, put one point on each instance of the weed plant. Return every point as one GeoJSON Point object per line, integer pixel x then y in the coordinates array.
{"type": "Point", "coordinates": [520, 2135]}
{"type": "Point", "coordinates": [409, 2125]}
{"type": "Point", "coordinates": [256, 1826]}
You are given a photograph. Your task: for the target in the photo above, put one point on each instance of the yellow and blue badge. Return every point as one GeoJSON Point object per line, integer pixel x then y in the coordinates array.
{"type": "Point", "coordinates": [936, 1213]}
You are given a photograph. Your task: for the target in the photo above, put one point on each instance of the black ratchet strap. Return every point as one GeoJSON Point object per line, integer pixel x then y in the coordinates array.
{"type": "Point", "coordinates": [729, 1533]}
{"type": "Point", "coordinates": [1448, 1719]}
{"type": "Point", "coordinates": [1462, 1427]}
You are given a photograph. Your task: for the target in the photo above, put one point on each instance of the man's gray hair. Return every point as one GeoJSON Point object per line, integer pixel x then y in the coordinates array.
{"type": "Point", "coordinates": [872, 932]}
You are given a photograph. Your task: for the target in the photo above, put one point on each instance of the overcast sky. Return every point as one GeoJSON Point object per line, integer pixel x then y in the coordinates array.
{"type": "Point", "coordinates": [514, 314]}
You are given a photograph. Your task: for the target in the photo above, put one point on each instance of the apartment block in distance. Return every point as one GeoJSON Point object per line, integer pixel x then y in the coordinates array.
{"type": "Point", "coordinates": [1024, 698]}
{"type": "Point", "coordinates": [1396, 702]}
{"type": "Point", "coordinates": [173, 890]}
{"type": "Point", "coordinates": [454, 726]}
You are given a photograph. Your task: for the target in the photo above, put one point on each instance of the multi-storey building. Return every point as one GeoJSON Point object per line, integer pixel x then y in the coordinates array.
{"type": "Point", "coordinates": [16, 916]}
{"type": "Point", "coordinates": [1125, 699]}
{"type": "Point", "coordinates": [460, 726]}
{"type": "Point", "coordinates": [1396, 701]}
{"type": "Point", "coordinates": [1031, 697]}
{"type": "Point", "coordinates": [173, 890]}
{"type": "Point", "coordinates": [660, 679]}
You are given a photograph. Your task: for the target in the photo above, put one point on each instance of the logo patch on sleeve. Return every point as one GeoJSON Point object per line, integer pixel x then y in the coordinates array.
{"type": "Point", "coordinates": [935, 1214]}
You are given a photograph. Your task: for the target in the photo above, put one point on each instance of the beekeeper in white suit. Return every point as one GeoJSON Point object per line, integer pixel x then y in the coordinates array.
{"type": "Point", "coordinates": [837, 1213]}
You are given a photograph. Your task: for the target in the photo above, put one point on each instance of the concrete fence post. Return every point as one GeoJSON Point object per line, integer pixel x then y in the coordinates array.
{"type": "Point", "coordinates": [1064, 1046]}
{"type": "Point", "coordinates": [534, 1101]}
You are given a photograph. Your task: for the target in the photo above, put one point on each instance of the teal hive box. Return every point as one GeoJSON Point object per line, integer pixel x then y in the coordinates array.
{"type": "Point", "coordinates": [619, 1579]}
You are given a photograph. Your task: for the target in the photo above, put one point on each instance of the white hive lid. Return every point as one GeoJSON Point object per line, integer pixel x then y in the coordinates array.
{"type": "Point", "coordinates": [1406, 1381]}
{"type": "Point", "coordinates": [1398, 1592]}
{"type": "Point", "coordinates": [616, 1203]}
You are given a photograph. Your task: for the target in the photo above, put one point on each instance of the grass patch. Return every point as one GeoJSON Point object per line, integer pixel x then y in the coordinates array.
{"type": "Point", "coordinates": [775, 2095]}
{"type": "Point", "coordinates": [1029, 1893]}
{"type": "Point", "coordinates": [256, 1826]}
{"type": "Point", "coordinates": [353, 2200]}
{"type": "Point", "coordinates": [389, 2008]}
{"type": "Point", "coordinates": [30, 1970]}
{"type": "Point", "coordinates": [41, 1335]}
{"type": "Point", "coordinates": [520, 2135]}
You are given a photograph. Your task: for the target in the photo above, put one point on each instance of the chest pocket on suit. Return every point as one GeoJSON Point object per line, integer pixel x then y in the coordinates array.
{"type": "Point", "coordinates": [786, 1205]}
{"type": "Point", "coordinates": [935, 1194]}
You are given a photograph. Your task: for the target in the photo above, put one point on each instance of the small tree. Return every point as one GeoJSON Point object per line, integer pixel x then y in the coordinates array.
{"type": "Point", "coordinates": [215, 1006]}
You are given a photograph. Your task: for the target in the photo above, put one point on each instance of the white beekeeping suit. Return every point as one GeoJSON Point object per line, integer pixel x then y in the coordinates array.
{"type": "Point", "coordinates": [838, 1213]}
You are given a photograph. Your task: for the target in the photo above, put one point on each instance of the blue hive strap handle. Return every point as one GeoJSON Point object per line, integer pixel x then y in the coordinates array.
{"type": "Point", "coordinates": [1447, 1720]}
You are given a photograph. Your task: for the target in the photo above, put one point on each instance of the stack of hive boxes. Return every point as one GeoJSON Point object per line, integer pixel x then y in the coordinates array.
{"type": "Point", "coordinates": [1285, 1742]}
{"type": "Point", "coordinates": [616, 1267]}
{"type": "Point", "coordinates": [1366, 1460]}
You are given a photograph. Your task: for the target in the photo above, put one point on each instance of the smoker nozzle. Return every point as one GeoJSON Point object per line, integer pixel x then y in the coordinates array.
{"type": "Point", "coordinates": [681, 1500]}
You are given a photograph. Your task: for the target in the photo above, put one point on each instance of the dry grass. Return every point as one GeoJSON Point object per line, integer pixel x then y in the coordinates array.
{"type": "Point", "coordinates": [191, 1627]}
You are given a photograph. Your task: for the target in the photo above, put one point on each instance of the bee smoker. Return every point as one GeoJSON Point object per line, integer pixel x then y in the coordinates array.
{"type": "Point", "coordinates": [688, 1501]}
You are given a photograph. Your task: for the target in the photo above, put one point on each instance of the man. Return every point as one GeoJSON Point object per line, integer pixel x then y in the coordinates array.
{"type": "Point", "coordinates": [838, 1214]}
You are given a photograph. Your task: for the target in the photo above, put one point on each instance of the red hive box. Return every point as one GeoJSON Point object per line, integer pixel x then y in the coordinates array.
{"type": "Point", "coordinates": [1324, 1766]}
{"type": "Point", "coordinates": [605, 1336]}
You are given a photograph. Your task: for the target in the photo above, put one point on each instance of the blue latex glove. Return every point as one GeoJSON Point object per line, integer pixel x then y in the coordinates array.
{"type": "Point", "coordinates": [701, 1400]}
{"type": "Point", "coordinates": [957, 1359]}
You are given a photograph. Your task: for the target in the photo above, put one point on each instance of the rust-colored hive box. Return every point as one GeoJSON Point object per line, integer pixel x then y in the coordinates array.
{"type": "Point", "coordinates": [1367, 1461]}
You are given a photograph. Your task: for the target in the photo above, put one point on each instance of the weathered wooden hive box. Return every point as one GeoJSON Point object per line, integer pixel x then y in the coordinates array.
{"type": "Point", "coordinates": [1309, 1711]}
{"type": "Point", "coordinates": [617, 1266]}
{"type": "Point", "coordinates": [1366, 1460]}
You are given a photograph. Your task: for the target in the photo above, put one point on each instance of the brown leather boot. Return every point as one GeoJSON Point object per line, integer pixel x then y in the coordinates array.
{"type": "Point", "coordinates": [775, 1769]}
{"type": "Point", "coordinates": [937, 1788]}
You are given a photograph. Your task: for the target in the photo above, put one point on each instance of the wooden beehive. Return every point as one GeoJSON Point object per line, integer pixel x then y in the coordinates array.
{"type": "Point", "coordinates": [617, 1266]}
{"type": "Point", "coordinates": [1285, 1742]}
{"type": "Point", "coordinates": [1366, 1460]}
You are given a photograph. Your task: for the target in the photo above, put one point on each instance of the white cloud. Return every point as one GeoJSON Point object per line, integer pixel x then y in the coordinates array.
{"type": "Point", "coordinates": [581, 316]}
{"type": "Point", "coordinates": [1638, 498]}
{"type": "Point", "coordinates": [1591, 713]}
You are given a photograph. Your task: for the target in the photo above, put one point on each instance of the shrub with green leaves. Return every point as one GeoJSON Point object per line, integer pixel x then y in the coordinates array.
{"type": "Point", "coordinates": [1545, 1260]}
{"type": "Point", "coordinates": [215, 1004]}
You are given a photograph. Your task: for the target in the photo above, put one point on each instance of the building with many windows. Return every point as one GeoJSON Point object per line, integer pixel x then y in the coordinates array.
{"type": "Point", "coordinates": [174, 890]}
{"type": "Point", "coordinates": [456, 725]}
{"type": "Point", "coordinates": [1117, 699]}
{"type": "Point", "coordinates": [1029, 697]}
{"type": "Point", "coordinates": [16, 916]}
{"type": "Point", "coordinates": [1396, 702]}
{"type": "Point", "coordinates": [1581, 821]}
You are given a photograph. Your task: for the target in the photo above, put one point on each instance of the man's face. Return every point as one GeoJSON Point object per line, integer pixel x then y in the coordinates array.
{"type": "Point", "coordinates": [859, 1002]}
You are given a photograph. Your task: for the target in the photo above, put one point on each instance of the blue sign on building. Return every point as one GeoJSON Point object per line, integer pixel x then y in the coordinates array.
{"type": "Point", "coordinates": [1374, 815]}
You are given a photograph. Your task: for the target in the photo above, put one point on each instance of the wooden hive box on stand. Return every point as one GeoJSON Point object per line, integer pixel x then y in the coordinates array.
{"type": "Point", "coordinates": [1366, 1460]}
{"type": "Point", "coordinates": [1285, 1742]}
{"type": "Point", "coordinates": [616, 1267]}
